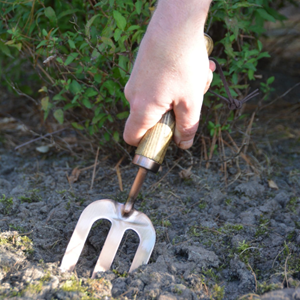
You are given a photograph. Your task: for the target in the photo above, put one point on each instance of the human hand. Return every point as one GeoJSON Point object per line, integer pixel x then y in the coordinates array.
{"type": "Point", "coordinates": [172, 71]}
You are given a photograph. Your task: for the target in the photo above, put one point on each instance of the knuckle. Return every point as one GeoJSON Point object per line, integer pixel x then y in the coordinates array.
{"type": "Point", "coordinates": [187, 131]}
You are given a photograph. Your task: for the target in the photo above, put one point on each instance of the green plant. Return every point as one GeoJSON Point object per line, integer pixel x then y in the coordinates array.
{"type": "Point", "coordinates": [166, 223]}
{"type": "Point", "coordinates": [243, 246]}
{"type": "Point", "coordinates": [31, 196]}
{"type": "Point", "coordinates": [7, 204]}
{"type": "Point", "coordinates": [84, 51]}
{"type": "Point", "coordinates": [218, 292]}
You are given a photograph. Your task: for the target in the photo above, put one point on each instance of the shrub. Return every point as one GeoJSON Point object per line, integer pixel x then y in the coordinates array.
{"type": "Point", "coordinates": [81, 53]}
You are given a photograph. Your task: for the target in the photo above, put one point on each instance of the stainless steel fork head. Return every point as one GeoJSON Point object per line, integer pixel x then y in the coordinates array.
{"type": "Point", "coordinates": [112, 211]}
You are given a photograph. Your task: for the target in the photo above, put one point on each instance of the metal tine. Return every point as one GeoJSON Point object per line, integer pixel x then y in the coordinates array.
{"type": "Point", "coordinates": [112, 211]}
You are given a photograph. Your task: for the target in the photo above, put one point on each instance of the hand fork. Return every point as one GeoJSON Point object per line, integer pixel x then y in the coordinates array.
{"type": "Point", "coordinates": [149, 156]}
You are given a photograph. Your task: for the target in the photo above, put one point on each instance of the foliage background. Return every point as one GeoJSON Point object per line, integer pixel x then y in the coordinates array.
{"type": "Point", "coordinates": [73, 58]}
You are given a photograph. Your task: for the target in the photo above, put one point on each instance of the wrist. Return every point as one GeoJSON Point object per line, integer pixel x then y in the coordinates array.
{"type": "Point", "coordinates": [181, 15]}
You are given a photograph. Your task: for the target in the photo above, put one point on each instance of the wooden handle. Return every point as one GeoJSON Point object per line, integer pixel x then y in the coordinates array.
{"type": "Point", "coordinates": [155, 142]}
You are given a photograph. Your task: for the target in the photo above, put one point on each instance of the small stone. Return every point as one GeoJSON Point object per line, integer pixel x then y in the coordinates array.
{"type": "Point", "coordinates": [202, 257]}
{"type": "Point", "coordinates": [250, 189]}
{"type": "Point", "coordinates": [282, 198]}
{"type": "Point", "coordinates": [167, 297]}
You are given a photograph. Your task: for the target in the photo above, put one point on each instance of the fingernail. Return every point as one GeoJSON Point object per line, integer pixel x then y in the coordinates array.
{"type": "Point", "coordinates": [186, 144]}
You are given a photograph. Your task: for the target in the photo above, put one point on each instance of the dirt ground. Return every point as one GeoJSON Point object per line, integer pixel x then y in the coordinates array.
{"type": "Point", "coordinates": [237, 238]}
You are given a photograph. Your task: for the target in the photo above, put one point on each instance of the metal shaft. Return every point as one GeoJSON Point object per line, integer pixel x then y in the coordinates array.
{"type": "Point", "coordinates": [135, 189]}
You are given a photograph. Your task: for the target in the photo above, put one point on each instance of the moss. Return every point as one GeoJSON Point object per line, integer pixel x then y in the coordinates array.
{"type": "Point", "coordinates": [7, 204]}
{"type": "Point", "coordinates": [74, 285]}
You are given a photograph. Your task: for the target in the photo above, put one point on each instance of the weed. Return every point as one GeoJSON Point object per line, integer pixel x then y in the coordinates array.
{"type": "Point", "coordinates": [218, 292]}
{"type": "Point", "coordinates": [231, 228]}
{"type": "Point", "coordinates": [243, 246]}
{"type": "Point", "coordinates": [31, 196]}
{"type": "Point", "coordinates": [210, 273]}
{"type": "Point", "coordinates": [202, 205]}
{"type": "Point", "coordinates": [228, 201]}
{"type": "Point", "coordinates": [125, 274]}
{"type": "Point", "coordinates": [61, 192]}
{"type": "Point", "coordinates": [18, 228]}
{"type": "Point", "coordinates": [166, 223]}
{"type": "Point", "coordinates": [263, 226]}
{"type": "Point", "coordinates": [7, 204]}
{"type": "Point", "coordinates": [177, 290]}
{"type": "Point", "coordinates": [264, 287]}
{"type": "Point", "coordinates": [292, 204]}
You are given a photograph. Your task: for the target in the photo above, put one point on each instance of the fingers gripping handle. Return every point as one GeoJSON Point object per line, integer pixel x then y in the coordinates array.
{"type": "Point", "coordinates": [154, 144]}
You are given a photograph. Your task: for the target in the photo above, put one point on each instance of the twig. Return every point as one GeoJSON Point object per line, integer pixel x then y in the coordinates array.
{"type": "Point", "coordinates": [19, 92]}
{"type": "Point", "coordinates": [248, 133]}
{"type": "Point", "coordinates": [41, 137]}
{"type": "Point", "coordinates": [117, 168]}
{"type": "Point", "coordinates": [285, 271]}
{"type": "Point", "coordinates": [154, 185]}
{"type": "Point", "coordinates": [94, 171]}
{"type": "Point", "coordinates": [254, 277]}
{"type": "Point", "coordinates": [283, 95]}
{"type": "Point", "coordinates": [250, 294]}
{"type": "Point", "coordinates": [211, 152]}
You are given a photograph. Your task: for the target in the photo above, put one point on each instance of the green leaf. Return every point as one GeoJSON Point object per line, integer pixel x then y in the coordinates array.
{"type": "Point", "coordinates": [58, 59]}
{"type": "Point", "coordinates": [133, 27]}
{"type": "Point", "coordinates": [270, 80]}
{"type": "Point", "coordinates": [59, 97]}
{"type": "Point", "coordinates": [59, 116]}
{"type": "Point", "coordinates": [120, 20]}
{"type": "Point", "coordinates": [138, 6]}
{"type": "Point", "coordinates": [45, 103]}
{"type": "Point", "coordinates": [108, 41]}
{"type": "Point", "coordinates": [98, 78]}
{"type": "Point", "coordinates": [260, 45]}
{"type": "Point", "coordinates": [90, 92]}
{"type": "Point", "coordinates": [83, 45]}
{"type": "Point", "coordinates": [42, 43]}
{"type": "Point", "coordinates": [50, 14]}
{"type": "Point", "coordinates": [5, 49]}
{"type": "Point", "coordinates": [117, 34]}
{"type": "Point", "coordinates": [77, 126]}
{"type": "Point", "coordinates": [110, 119]}
{"type": "Point", "coordinates": [75, 87]}
{"type": "Point", "coordinates": [116, 136]}
{"type": "Point", "coordinates": [86, 102]}
{"type": "Point", "coordinates": [123, 115]}
{"type": "Point", "coordinates": [106, 136]}
{"type": "Point", "coordinates": [263, 13]}
{"type": "Point", "coordinates": [98, 117]}
{"type": "Point", "coordinates": [67, 12]}
{"type": "Point", "coordinates": [71, 44]}
{"type": "Point", "coordinates": [89, 24]}
{"type": "Point", "coordinates": [70, 58]}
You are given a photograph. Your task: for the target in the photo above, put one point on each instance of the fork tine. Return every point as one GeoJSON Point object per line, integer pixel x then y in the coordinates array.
{"type": "Point", "coordinates": [109, 249]}
{"type": "Point", "coordinates": [112, 211]}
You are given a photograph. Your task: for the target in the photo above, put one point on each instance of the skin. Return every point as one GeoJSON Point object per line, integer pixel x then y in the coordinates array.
{"type": "Point", "coordinates": [171, 71]}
